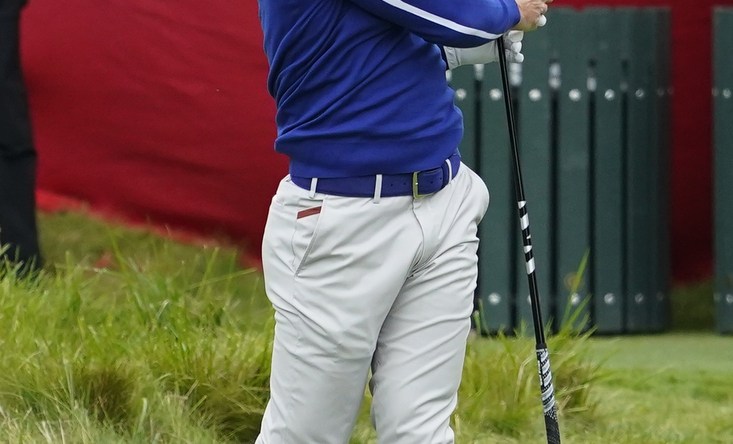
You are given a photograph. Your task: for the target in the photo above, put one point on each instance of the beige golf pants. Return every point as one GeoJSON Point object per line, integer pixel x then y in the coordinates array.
{"type": "Point", "coordinates": [360, 283]}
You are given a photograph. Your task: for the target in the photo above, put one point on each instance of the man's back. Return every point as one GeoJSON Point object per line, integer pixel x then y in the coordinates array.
{"type": "Point", "coordinates": [356, 94]}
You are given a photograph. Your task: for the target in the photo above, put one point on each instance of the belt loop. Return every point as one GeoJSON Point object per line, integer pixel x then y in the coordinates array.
{"type": "Point", "coordinates": [377, 189]}
{"type": "Point", "coordinates": [450, 170]}
{"type": "Point", "coordinates": [314, 184]}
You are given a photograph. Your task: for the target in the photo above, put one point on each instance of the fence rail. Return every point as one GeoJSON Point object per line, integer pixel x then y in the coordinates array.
{"type": "Point", "coordinates": [592, 101]}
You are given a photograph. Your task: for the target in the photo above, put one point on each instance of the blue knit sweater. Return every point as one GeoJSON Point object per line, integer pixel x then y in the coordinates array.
{"type": "Point", "coordinates": [360, 84]}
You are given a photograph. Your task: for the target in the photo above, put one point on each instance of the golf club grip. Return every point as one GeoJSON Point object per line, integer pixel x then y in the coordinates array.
{"type": "Point", "coordinates": [549, 406]}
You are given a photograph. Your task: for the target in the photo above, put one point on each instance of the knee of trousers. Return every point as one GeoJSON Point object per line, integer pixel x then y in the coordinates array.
{"type": "Point", "coordinates": [417, 417]}
{"type": "Point", "coordinates": [425, 429]}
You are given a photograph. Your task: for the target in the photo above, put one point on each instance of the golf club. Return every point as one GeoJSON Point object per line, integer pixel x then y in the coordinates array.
{"type": "Point", "coordinates": [543, 358]}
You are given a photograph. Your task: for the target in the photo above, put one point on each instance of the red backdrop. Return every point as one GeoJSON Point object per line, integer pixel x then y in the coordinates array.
{"type": "Point", "coordinates": [157, 111]}
{"type": "Point", "coordinates": [154, 110]}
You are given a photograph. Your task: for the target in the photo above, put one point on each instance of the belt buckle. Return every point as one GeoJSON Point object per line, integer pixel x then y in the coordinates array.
{"type": "Point", "coordinates": [416, 187]}
{"type": "Point", "coordinates": [431, 174]}
{"type": "Point", "coordinates": [415, 190]}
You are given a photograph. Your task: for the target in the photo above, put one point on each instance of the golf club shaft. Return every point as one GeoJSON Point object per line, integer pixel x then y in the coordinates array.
{"type": "Point", "coordinates": [543, 359]}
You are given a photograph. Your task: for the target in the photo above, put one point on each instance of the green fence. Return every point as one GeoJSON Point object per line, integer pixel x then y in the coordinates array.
{"type": "Point", "coordinates": [723, 120]}
{"type": "Point", "coordinates": [591, 101]}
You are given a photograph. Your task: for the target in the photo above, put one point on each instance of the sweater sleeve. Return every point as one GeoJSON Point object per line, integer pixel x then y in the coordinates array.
{"type": "Point", "coordinates": [457, 23]}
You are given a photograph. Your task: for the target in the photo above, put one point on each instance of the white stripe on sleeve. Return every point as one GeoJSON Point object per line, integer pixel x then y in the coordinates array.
{"type": "Point", "coordinates": [400, 4]}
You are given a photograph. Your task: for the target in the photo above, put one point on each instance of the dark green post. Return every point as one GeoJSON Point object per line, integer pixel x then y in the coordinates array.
{"type": "Point", "coordinates": [659, 169]}
{"type": "Point", "coordinates": [723, 133]}
{"type": "Point", "coordinates": [535, 144]}
{"type": "Point", "coordinates": [570, 34]}
{"type": "Point", "coordinates": [639, 95]}
{"type": "Point", "coordinates": [607, 199]}
{"type": "Point", "coordinates": [497, 231]}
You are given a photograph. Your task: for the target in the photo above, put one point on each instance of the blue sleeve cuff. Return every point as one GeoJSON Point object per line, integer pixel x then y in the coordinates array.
{"type": "Point", "coordinates": [514, 15]}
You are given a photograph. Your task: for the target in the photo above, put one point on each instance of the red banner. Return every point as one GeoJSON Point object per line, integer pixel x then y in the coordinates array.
{"type": "Point", "coordinates": [155, 111]}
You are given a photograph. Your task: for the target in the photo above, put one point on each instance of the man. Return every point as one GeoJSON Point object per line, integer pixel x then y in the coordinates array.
{"type": "Point", "coordinates": [18, 234]}
{"type": "Point", "coordinates": [369, 252]}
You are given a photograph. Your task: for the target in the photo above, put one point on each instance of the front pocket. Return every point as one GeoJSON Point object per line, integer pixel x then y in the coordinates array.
{"type": "Point", "coordinates": [307, 220]}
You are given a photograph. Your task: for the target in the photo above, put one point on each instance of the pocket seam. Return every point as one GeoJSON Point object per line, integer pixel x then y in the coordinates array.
{"type": "Point", "coordinates": [311, 243]}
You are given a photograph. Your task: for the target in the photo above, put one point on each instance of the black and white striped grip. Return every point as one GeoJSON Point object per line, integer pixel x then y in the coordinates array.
{"type": "Point", "coordinates": [548, 396]}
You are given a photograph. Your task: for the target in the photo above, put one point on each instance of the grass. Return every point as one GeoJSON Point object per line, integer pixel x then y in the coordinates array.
{"type": "Point", "coordinates": [678, 383]}
{"type": "Point", "coordinates": [128, 337]}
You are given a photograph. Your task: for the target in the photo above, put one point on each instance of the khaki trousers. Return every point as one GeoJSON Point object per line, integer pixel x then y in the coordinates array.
{"type": "Point", "coordinates": [358, 284]}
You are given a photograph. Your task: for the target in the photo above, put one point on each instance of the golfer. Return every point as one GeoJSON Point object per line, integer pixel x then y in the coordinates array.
{"type": "Point", "coordinates": [369, 252]}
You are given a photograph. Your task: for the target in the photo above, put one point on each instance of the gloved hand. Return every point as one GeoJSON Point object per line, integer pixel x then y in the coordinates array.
{"type": "Point", "coordinates": [486, 53]}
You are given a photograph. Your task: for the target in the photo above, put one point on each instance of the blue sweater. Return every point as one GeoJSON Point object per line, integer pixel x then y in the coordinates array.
{"type": "Point", "coordinates": [360, 84]}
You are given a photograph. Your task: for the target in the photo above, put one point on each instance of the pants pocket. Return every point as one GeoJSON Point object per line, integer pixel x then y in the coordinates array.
{"type": "Point", "coordinates": [292, 226]}
{"type": "Point", "coordinates": [308, 218]}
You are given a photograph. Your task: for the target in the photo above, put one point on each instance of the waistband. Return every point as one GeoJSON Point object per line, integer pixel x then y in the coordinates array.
{"type": "Point", "coordinates": [416, 184]}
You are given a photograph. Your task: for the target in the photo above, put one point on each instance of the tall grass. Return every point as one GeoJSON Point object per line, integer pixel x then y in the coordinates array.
{"type": "Point", "coordinates": [499, 393]}
{"type": "Point", "coordinates": [165, 343]}
{"type": "Point", "coordinates": [159, 347]}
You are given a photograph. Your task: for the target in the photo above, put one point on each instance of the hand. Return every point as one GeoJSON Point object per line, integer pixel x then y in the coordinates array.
{"type": "Point", "coordinates": [486, 53]}
{"type": "Point", "coordinates": [532, 14]}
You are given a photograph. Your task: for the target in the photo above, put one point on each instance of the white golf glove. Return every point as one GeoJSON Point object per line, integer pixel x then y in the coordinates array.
{"type": "Point", "coordinates": [486, 53]}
